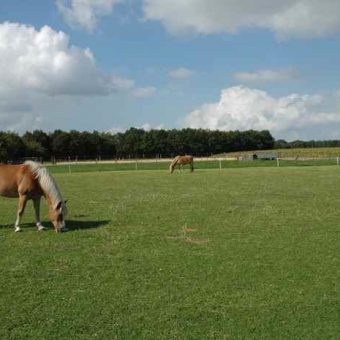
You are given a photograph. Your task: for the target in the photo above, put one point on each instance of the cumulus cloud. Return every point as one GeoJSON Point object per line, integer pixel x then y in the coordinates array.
{"type": "Point", "coordinates": [35, 64]}
{"type": "Point", "coordinates": [243, 108]}
{"type": "Point", "coordinates": [266, 75]}
{"type": "Point", "coordinates": [85, 13]}
{"type": "Point", "coordinates": [44, 61]}
{"type": "Point", "coordinates": [181, 73]}
{"type": "Point", "coordinates": [290, 18]}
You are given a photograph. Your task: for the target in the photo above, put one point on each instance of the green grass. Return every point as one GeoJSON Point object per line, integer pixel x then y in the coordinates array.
{"type": "Point", "coordinates": [249, 253]}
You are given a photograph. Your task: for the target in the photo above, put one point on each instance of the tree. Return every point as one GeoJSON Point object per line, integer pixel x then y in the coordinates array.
{"type": "Point", "coordinates": [60, 142]}
{"type": "Point", "coordinates": [12, 147]}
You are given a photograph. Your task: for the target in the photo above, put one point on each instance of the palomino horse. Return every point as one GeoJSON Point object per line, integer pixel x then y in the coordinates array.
{"type": "Point", "coordinates": [30, 181]}
{"type": "Point", "coordinates": [182, 160]}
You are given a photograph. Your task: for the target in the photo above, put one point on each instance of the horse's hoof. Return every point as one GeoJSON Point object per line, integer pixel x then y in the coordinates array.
{"type": "Point", "coordinates": [41, 228]}
{"type": "Point", "coordinates": [17, 229]}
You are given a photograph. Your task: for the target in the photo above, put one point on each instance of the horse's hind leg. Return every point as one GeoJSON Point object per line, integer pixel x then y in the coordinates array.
{"type": "Point", "coordinates": [21, 209]}
{"type": "Point", "coordinates": [36, 204]}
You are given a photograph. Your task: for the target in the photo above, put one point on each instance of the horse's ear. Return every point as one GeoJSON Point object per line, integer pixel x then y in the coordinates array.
{"type": "Point", "coordinates": [58, 206]}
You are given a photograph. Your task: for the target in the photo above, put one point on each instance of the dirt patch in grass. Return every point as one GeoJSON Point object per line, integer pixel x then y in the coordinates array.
{"type": "Point", "coordinates": [184, 236]}
{"type": "Point", "coordinates": [196, 240]}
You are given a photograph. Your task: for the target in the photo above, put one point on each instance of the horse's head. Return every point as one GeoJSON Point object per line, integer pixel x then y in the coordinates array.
{"type": "Point", "coordinates": [57, 215]}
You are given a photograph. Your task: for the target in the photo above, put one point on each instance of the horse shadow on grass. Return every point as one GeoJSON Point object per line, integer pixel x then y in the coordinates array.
{"type": "Point", "coordinates": [71, 225]}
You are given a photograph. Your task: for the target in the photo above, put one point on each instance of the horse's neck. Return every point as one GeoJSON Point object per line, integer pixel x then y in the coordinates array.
{"type": "Point", "coordinates": [50, 189]}
{"type": "Point", "coordinates": [53, 196]}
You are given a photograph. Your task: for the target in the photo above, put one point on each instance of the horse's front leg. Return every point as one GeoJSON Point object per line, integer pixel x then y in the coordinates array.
{"type": "Point", "coordinates": [21, 209]}
{"type": "Point", "coordinates": [36, 204]}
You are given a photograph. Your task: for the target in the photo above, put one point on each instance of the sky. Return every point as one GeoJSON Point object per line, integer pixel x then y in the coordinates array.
{"type": "Point", "coordinates": [108, 65]}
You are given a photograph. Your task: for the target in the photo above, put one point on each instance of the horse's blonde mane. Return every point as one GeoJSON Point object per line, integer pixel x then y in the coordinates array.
{"type": "Point", "coordinates": [175, 160]}
{"type": "Point", "coordinates": [46, 181]}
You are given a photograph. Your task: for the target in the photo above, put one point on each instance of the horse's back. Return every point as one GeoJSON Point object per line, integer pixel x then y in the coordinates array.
{"type": "Point", "coordinates": [15, 179]}
{"type": "Point", "coordinates": [185, 159]}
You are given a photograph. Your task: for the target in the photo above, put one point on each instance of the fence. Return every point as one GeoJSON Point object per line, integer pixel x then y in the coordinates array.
{"type": "Point", "coordinates": [199, 164]}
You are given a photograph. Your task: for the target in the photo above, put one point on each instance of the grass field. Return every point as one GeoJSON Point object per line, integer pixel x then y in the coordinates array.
{"type": "Point", "coordinates": [242, 253]}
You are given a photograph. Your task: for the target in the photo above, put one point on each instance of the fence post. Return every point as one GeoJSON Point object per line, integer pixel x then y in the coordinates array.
{"type": "Point", "coordinates": [277, 162]}
{"type": "Point", "coordinates": [136, 165]}
{"type": "Point", "coordinates": [69, 168]}
{"type": "Point", "coordinates": [220, 164]}
{"type": "Point", "coordinates": [337, 161]}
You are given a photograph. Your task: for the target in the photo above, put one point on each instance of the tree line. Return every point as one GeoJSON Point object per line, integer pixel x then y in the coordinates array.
{"type": "Point", "coordinates": [138, 143]}
{"type": "Point", "coordinates": [282, 144]}
{"type": "Point", "coordinates": [133, 143]}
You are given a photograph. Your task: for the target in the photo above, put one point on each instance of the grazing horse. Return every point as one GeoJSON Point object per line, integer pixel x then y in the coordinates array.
{"type": "Point", "coordinates": [182, 160]}
{"type": "Point", "coordinates": [30, 181]}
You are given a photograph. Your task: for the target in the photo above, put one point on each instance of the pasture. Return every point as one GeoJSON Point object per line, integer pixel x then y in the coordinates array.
{"type": "Point", "coordinates": [242, 253]}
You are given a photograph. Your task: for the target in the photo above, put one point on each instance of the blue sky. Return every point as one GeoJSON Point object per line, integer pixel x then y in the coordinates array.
{"type": "Point", "coordinates": [111, 64]}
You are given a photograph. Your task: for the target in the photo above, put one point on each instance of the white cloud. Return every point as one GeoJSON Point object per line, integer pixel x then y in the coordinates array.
{"type": "Point", "coordinates": [289, 18]}
{"type": "Point", "coordinates": [337, 94]}
{"type": "Point", "coordinates": [242, 108]}
{"type": "Point", "coordinates": [44, 61]}
{"type": "Point", "coordinates": [145, 127]}
{"type": "Point", "coordinates": [181, 73]}
{"type": "Point", "coordinates": [36, 64]}
{"type": "Point", "coordinates": [148, 127]}
{"type": "Point", "coordinates": [121, 83]}
{"type": "Point", "coordinates": [266, 75]}
{"type": "Point", "coordinates": [16, 112]}
{"type": "Point", "coordinates": [144, 92]}
{"type": "Point", "coordinates": [21, 122]}
{"type": "Point", "coordinates": [128, 85]}
{"type": "Point", "coordinates": [115, 130]}
{"type": "Point", "coordinates": [85, 13]}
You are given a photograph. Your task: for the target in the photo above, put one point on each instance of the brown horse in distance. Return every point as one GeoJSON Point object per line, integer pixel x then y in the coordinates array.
{"type": "Point", "coordinates": [31, 181]}
{"type": "Point", "coordinates": [182, 160]}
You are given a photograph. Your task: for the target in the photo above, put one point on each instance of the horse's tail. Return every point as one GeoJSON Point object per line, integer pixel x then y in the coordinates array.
{"type": "Point", "coordinates": [173, 164]}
